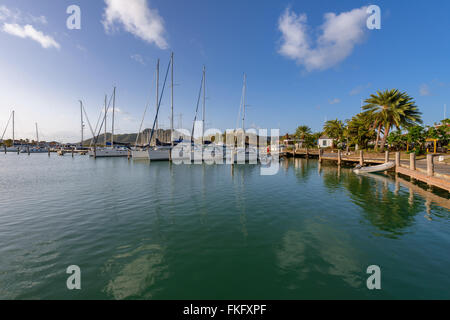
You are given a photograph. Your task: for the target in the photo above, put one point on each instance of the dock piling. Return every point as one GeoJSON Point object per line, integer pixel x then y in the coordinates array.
{"type": "Point", "coordinates": [4, 146]}
{"type": "Point", "coordinates": [361, 158]}
{"type": "Point", "coordinates": [430, 165]}
{"type": "Point", "coordinates": [397, 159]}
{"type": "Point", "coordinates": [386, 157]}
{"type": "Point", "coordinates": [320, 155]}
{"type": "Point", "coordinates": [28, 150]}
{"type": "Point", "coordinates": [339, 157]}
{"type": "Point", "coordinates": [412, 161]}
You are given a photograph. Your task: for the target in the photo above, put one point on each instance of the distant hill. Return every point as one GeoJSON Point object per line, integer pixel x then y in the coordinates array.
{"type": "Point", "coordinates": [130, 138]}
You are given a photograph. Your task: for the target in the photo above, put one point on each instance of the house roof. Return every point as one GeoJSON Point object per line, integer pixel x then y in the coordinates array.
{"type": "Point", "coordinates": [325, 137]}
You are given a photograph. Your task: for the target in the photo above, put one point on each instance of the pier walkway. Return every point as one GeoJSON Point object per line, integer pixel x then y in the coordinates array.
{"type": "Point", "coordinates": [426, 170]}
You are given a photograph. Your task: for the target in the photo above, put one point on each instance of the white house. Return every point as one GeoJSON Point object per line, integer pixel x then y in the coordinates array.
{"type": "Point", "coordinates": [325, 142]}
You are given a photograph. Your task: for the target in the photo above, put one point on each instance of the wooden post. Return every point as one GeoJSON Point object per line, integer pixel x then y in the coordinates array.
{"type": "Point", "coordinates": [397, 159]}
{"type": "Point", "coordinates": [307, 153]}
{"type": "Point", "coordinates": [361, 158]}
{"type": "Point", "coordinates": [72, 152]}
{"type": "Point", "coordinates": [95, 153]}
{"type": "Point", "coordinates": [28, 150]}
{"type": "Point", "coordinates": [129, 154]}
{"type": "Point", "coordinates": [412, 161]}
{"type": "Point", "coordinates": [5, 148]}
{"type": "Point", "coordinates": [18, 150]}
{"type": "Point", "coordinates": [386, 157]}
{"type": "Point", "coordinates": [430, 165]}
{"type": "Point", "coordinates": [320, 155]}
{"type": "Point", "coordinates": [48, 152]}
{"type": "Point", "coordinates": [339, 157]}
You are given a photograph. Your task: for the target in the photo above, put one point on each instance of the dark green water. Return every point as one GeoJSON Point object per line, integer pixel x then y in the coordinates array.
{"type": "Point", "coordinates": [152, 231]}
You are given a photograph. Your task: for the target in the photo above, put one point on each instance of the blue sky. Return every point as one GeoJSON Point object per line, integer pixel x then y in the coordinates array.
{"type": "Point", "coordinates": [301, 66]}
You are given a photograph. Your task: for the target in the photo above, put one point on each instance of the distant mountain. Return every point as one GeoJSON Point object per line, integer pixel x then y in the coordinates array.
{"type": "Point", "coordinates": [130, 138]}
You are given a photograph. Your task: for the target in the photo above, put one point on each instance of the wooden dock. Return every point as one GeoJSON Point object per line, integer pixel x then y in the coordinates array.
{"type": "Point", "coordinates": [424, 172]}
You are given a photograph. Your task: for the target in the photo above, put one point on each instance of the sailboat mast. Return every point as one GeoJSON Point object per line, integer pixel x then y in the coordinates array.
{"type": "Point", "coordinates": [171, 118]}
{"type": "Point", "coordinates": [114, 109]}
{"type": "Point", "coordinates": [82, 124]}
{"type": "Point", "coordinates": [157, 99]}
{"type": "Point", "coordinates": [14, 139]}
{"type": "Point", "coordinates": [244, 93]}
{"type": "Point", "coordinates": [106, 98]}
{"type": "Point", "coordinates": [204, 103]}
{"type": "Point", "coordinates": [37, 134]}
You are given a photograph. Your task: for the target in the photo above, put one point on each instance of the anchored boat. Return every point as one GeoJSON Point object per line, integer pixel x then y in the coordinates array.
{"type": "Point", "coordinates": [380, 168]}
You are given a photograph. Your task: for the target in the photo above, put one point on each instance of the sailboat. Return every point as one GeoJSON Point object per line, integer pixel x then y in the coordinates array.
{"type": "Point", "coordinates": [112, 150]}
{"type": "Point", "coordinates": [163, 151]}
{"type": "Point", "coordinates": [14, 148]}
{"type": "Point", "coordinates": [160, 151]}
{"type": "Point", "coordinates": [244, 153]}
{"type": "Point", "coordinates": [37, 148]}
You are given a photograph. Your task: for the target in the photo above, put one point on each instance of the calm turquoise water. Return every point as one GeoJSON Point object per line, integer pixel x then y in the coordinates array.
{"type": "Point", "coordinates": [155, 231]}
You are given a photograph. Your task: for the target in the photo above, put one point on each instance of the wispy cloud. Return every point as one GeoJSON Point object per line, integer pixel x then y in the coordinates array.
{"type": "Point", "coordinates": [16, 16]}
{"type": "Point", "coordinates": [424, 90]}
{"type": "Point", "coordinates": [137, 18]}
{"type": "Point", "coordinates": [138, 58]}
{"type": "Point", "coordinates": [340, 33]}
{"type": "Point", "coordinates": [334, 101]}
{"type": "Point", "coordinates": [359, 89]}
{"type": "Point", "coordinates": [28, 31]}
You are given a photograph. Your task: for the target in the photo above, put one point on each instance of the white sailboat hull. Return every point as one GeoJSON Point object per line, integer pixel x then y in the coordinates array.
{"type": "Point", "coordinates": [140, 155]}
{"type": "Point", "coordinates": [108, 153]}
{"type": "Point", "coordinates": [159, 154]}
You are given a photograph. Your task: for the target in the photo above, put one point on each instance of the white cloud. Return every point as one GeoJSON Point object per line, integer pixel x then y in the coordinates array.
{"type": "Point", "coordinates": [6, 14]}
{"type": "Point", "coordinates": [136, 18]}
{"type": "Point", "coordinates": [334, 101]}
{"type": "Point", "coordinates": [28, 31]}
{"type": "Point", "coordinates": [138, 58]}
{"type": "Point", "coordinates": [424, 90]}
{"type": "Point", "coordinates": [16, 16]}
{"type": "Point", "coordinates": [339, 35]}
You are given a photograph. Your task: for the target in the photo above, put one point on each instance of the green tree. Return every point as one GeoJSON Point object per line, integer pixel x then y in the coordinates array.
{"type": "Point", "coordinates": [335, 129]}
{"type": "Point", "coordinates": [397, 140]}
{"type": "Point", "coordinates": [302, 132]}
{"type": "Point", "coordinates": [360, 130]}
{"type": "Point", "coordinates": [416, 136]}
{"type": "Point", "coordinates": [392, 108]}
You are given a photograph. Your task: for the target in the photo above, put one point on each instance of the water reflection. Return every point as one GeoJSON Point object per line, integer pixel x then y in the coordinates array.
{"type": "Point", "coordinates": [133, 273]}
{"type": "Point", "coordinates": [319, 249]}
{"type": "Point", "coordinates": [303, 169]}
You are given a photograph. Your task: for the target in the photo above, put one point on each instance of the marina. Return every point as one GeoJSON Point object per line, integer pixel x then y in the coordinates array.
{"type": "Point", "coordinates": [218, 157]}
{"type": "Point", "coordinates": [308, 232]}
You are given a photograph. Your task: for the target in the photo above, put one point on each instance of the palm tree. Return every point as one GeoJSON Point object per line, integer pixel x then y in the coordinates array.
{"type": "Point", "coordinates": [334, 129]}
{"type": "Point", "coordinates": [302, 132]}
{"type": "Point", "coordinates": [360, 130]}
{"type": "Point", "coordinates": [392, 108]}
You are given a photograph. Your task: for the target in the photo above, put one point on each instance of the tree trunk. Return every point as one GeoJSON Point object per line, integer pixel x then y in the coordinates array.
{"type": "Point", "coordinates": [386, 134]}
{"type": "Point", "coordinates": [378, 137]}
